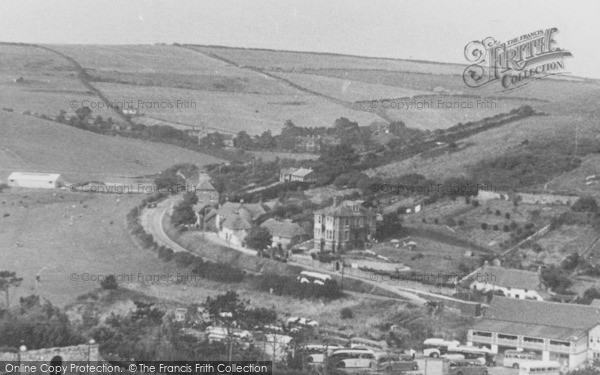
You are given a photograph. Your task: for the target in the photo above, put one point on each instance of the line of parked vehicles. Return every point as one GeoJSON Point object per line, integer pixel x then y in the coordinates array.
{"type": "Point", "coordinates": [527, 363]}
{"type": "Point", "coordinates": [440, 357]}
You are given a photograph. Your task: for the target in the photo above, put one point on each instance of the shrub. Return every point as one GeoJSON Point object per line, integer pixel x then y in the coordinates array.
{"type": "Point", "coordinates": [484, 226]}
{"type": "Point", "coordinates": [506, 228]}
{"type": "Point", "coordinates": [110, 282]}
{"type": "Point", "coordinates": [495, 227]}
{"type": "Point", "coordinates": [346, 313]}
{"type": "Point", "coordinates": [507, 215]}
{"type": "Point", "coordinates": [461, 223]}
{"type": "Point", "coordinates": [436, 221]}
{"type": "Point", "coordinates": [165, 253]}
{"type": "Point", "coordinates": [498, 213]}
{"type": "Point", "coordinates": [475, 202]}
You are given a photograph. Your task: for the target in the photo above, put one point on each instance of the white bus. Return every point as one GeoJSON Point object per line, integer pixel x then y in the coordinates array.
{"type": "Point", "coordinates": [483, 355]}
{"type": "Point", "coordinates": [539, 368]}
{"type": "Point", "coordinates": [437, 347]}
{"type": "Point", "coordinates": [513, 358]}
{"type": "Point", "coordinates": [313, 277]}
{"type": "Point", "coordinates": [352, 358]}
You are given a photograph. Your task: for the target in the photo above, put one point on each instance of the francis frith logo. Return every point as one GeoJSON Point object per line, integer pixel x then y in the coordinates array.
{"type": "Point", "coordinates": [515, 62]}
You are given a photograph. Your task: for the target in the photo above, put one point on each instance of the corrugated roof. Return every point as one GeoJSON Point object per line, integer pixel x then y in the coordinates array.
{"type": "Point", "coordinates": [530, 330]}
{"type": "Point", "coordinates": [550, 314]}
{"type": "Point", "coordinates": [34, 176]}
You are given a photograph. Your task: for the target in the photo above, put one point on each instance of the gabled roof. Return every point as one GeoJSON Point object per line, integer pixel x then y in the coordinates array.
{"type": "Point", "coordinates": [284, 229]}
{"type": "Point", "coordinates": [236, 222]}
{"type": "Point", "coordinates": [205, 185]}
{"type": "Point", "coordinates": [552, 314]}
{"type": "Point", "coordinates": [508, 277]}
{"type": "Point", "coordinates": [288, 170]}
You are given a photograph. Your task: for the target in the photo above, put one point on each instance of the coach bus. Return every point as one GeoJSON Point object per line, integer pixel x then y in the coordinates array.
{"type": "Point", "coordinates": [437, 347]}
{"type": "Point", "coordinates": [313, 277]}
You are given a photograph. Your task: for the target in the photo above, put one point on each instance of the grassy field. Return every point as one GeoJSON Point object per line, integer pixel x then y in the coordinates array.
{"type": "Point", "coordinates": [168, 66]}
{"type": "Point", "coordinates": [347, 90]}
{"type": "Point", "coordinates": [32, 145]}
{"type": "Point", "coordinates": [49, 82]}
{"type": "Point", "coordinates": [298, 61]}
{"type": "Point", "coordinates": [235, 112]}
{"type": "Point", "coordinates": [69, 233]}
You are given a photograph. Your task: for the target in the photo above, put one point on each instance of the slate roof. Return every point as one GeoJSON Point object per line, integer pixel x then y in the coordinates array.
{"type": "Point", "coordinates": [205, 185]}
{"type": "Point", "coordinates": [284, 229]}
{"type": "Point", "coordinates": [231, 208]}
{"type": "Point", "coordinates": [560, 321]}
{"type": "Point", "coordinates": [235, 222]}
{"type": "Point", "coordinates": [345, 209]}
{"type": "Point", "coordinates": [508, 277]}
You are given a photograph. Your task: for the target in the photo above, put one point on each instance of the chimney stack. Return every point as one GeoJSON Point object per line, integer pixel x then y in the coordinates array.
{"type": "Point", "coordinates": [334, 201]}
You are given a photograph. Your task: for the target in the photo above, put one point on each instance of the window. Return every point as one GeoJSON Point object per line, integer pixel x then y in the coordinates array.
{"type": "Point", "coordinates": [347, 221]}
{"type": "Point", "coordinates": [347, 235]}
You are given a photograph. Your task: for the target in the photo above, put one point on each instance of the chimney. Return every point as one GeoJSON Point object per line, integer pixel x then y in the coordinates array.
{"type": "Point", "coordinates": [335, 202]}
{"type": "Point", "coordinates": [241, 203]}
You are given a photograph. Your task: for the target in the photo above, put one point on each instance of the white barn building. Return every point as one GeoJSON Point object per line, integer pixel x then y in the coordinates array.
{"type": "Point", "coordinates": [35, 180]}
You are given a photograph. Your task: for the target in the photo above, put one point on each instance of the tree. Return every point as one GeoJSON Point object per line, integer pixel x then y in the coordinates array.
{"type": "Point", "coordinates": [586, 203]}
{"type": "Point", "coordinates": [215, 139]}
{"type": "Point", "coordinates": [83, 113]}
{"type": "Point", "coordinates": [338, 159]}
{"type": "Point", "coordinates": [242, 140]}
{"type": "Point", "coordinates": [259, 238]}
{"type": "Point", "coordinates": [9, 280]}
{"type": "Point", "coordinates": [390, 226]}
{"type": "Point", "coordinates": [183, 215]}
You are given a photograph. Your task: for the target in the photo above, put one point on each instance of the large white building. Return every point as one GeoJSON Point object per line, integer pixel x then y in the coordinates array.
{"type": "Point", "coordinates": [35, 180]}
{"type": "Point", "coordinates": [564, 332]}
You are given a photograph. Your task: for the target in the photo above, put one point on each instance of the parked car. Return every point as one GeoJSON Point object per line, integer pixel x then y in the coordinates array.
{"type": "Point", "coordinates": [467, 368]}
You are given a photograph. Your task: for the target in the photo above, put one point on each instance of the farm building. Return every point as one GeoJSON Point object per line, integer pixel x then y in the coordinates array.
{"type": "Point", "coordinates": [35, 180]}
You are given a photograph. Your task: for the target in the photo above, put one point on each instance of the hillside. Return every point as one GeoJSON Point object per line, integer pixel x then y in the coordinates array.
{"type": "Point", "coordinates": [34, 145]}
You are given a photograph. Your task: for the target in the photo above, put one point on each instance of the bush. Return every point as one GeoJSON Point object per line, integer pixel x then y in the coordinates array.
{"type": "Point", "coordinates": [507, 216]}
{"type": "Point", "coordinates": [495, 227]}
{"type": "Point", "coordinates": [498, 213]}
{"type": "Point", "coordinates": [585, 204]}
{"type": "Point", "coordinates": [183, 258]}
{"type": "Point", "coordinates": [461, 223]}
{"type": "Point", "coordinates": [165, 253]}
{"type": "Point", "coordinates": [436, 221]}
{"type": "Point", "coordinates": [484, 226]}
{"type": "Point", "coordinates": [346, 313]}
{"type": "Point", "coordinates": [110, 282]}
{"type": "Point", "coordinates": [474, 202]}
{"type": "Point", "coordinates": [506, 228]}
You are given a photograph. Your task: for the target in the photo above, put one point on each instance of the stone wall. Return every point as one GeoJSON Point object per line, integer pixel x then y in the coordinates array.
{"type": "Point", "coordinates": [83, 353]}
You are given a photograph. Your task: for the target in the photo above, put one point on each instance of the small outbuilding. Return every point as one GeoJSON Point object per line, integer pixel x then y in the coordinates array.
{"type": "Point", "coordinates": [35, 180]}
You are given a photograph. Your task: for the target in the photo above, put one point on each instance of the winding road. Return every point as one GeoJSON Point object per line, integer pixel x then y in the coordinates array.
{"type": "Point", "coordinates": [152, 218]}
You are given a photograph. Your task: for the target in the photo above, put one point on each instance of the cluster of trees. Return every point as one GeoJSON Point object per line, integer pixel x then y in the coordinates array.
{"type": "Point", "coordinates": [290, 286]}
{"type": "Point", "coordinates": [36, 324]}
{"type": "Point", "coordinates": [183, 212]}
{"type": "Point", "coordinates": [171, 178]}
{"type": "Point", "coordinates": [83, 120]}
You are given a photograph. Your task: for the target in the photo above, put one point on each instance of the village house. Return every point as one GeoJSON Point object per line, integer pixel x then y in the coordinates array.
{"type": "Point", "coordinates": [285, 234]}
{"type": "Point", "coordinates": [509, 282]}
{"type": "Point", "coordinates": [568, 333]}
{"type": "Point", "coordinates": [297, 174]}
{"type": "Point", "coordinates": [180, 314]}
{"type": "Point", "coordinates": [344, 226]}
{"type": "Point", "coordinates": [235, 220]}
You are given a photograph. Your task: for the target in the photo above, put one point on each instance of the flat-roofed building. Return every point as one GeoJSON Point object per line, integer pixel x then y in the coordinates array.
{"type": "Point", "coordinates": [568, 333]}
